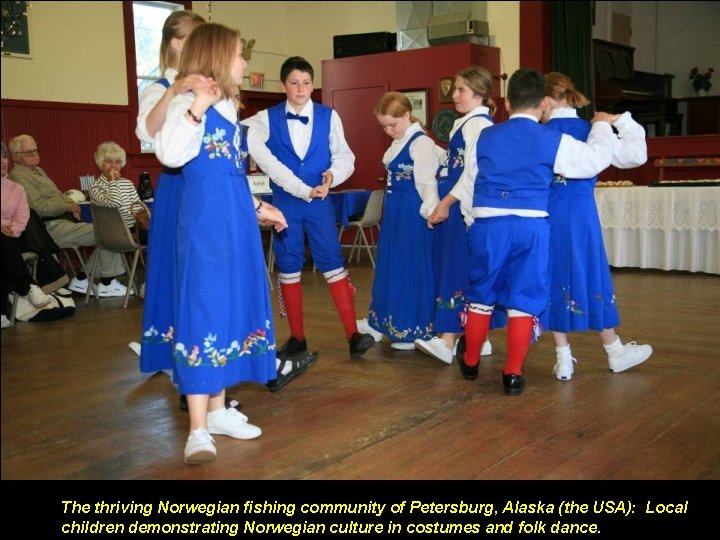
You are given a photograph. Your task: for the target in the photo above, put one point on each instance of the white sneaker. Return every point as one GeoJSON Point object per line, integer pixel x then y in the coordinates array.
{"type": "Point", "coordinates": [115, 288]}
{"type": "Point", "coordinates": [402, 346]}
{"type": "Point", "coordinates": [135, 347]}
{"type": "Point", "coordinates": [200, 447]}
{"type": "Point", "coordinates": [435, 347]}
{"type": "Point", "coordinates": [79, 285]}
{"type": "Point", "coordinates": [365, 328]}
{"type": "Point", "coordinates": [563, 369]}
{"type": "Point", "coordinates": [37, 297]}
{"type": "Point", "coordinates": [634, 354]}
{"type": "Point", "coordinates": [5, 322]}
{"type": "Point", "coordinates": [232, 423]}
{"type": "Point", "coordinates": [486, 348]}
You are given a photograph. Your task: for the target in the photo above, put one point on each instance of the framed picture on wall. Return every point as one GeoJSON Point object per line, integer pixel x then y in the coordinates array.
{"type": "Point", "coordinates": [446, 87]}
{"type": "Point", "coordinates": [15, 29]}
{"type": "Point", "coordinates": [419, 101]}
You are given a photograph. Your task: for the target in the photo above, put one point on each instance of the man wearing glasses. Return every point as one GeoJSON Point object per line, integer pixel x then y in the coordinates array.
{"type": "Point", "coordinates": [61, 215]}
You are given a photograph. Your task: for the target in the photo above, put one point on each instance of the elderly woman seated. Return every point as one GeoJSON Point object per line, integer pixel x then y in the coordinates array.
{"type": "Point", "coordinates": [114, 191]}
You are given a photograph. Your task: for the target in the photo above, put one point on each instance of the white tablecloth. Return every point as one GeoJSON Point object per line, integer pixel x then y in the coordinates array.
{"type": "Point", "coordinates": [670, 228]}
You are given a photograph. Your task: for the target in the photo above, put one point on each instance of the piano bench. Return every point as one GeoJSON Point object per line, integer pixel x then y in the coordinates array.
{"type": "Point", "coordinates": [660, 122]}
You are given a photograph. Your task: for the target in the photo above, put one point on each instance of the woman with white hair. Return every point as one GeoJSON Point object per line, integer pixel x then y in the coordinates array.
{"type": "Point", "coordinates": [111, 189]}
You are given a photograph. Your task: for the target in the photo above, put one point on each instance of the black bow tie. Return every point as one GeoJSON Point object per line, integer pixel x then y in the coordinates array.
{"type": "Point", "coordinates": [291, 116]}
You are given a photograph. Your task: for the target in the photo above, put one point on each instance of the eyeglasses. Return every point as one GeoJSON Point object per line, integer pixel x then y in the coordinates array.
{"type": "Point", "coordinates": [33, 152]}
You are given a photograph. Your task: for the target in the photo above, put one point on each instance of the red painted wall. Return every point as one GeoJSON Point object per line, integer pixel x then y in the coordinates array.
{"type": "Point", "coordinates": [67, 134]}
{"type": "Point", "coordinates": [536, 35]}
{"type": "Point", "coordinates": [353, 85]}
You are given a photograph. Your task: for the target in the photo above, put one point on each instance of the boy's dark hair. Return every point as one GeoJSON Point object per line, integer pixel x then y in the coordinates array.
{"type": "Point", "coordinates": [293, 63]}
{"type": "Point", "coordinates": [526, 89]}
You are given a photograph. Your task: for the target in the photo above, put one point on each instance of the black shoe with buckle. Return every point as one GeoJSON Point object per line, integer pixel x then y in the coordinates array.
{"type": "Point", "coordinates": [514, 384]}
{"type": "Point", "coordinates": [292, 347]}
{"type": "Point", "coordinates": [469, 373]}
{"type": "Point", "coordinates": [300, 362]}
{"type": "Point", "coordinates": [360, 343]}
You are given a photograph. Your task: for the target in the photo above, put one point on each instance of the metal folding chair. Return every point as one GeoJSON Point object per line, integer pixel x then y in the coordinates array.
{"type": "Point", "coordinates": [370, 218]}
{"type": "Point", "coordinates": [112, 234]}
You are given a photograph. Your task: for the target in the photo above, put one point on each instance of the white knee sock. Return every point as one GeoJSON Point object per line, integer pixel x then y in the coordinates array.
{"type": "Point", "coordinates": [615, 349]}
{"type": "Point", "coordinates": [563, 352]}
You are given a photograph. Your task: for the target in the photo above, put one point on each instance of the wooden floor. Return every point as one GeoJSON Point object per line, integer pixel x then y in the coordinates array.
{"type": "Point", "coordinates": [75, 406]}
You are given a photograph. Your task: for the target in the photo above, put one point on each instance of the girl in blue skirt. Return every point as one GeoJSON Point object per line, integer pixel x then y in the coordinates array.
{"type": "Point", "coordinates": [222, 323]}
{"type": "Point", "coordinates": [581, 289]}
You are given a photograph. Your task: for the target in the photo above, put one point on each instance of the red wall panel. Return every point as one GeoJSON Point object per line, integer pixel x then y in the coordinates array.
{"type": "Point", "coordinates": [67, 135]}
{"type": "Point", "coordinates": [536, 35]}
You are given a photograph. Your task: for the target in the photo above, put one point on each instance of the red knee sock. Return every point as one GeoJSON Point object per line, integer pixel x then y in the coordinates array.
{"type": "Point", "coordinates": [293, 299]}
{"type": "Point", "coordinates": [343, 298]}
{"type": "Point", "coordinates": [519, 335]}
{"type": "Point", "coordinates": [477, 327]}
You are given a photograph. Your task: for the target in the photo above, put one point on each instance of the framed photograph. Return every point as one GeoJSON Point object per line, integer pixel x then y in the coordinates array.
{"type": "Point", "coordinates": [15, 29]}
{"type": "Point", "coordinates": [446, 87]}
{"type": "Point", "coordinates": [419, 101]}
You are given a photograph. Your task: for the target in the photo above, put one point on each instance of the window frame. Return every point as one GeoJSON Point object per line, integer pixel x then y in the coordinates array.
{"type": "Point", "coordinates": [131, 71]}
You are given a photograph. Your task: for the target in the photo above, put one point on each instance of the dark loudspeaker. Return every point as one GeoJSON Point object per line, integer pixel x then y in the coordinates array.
{"type": "Point", "coordinates": [360, 44]}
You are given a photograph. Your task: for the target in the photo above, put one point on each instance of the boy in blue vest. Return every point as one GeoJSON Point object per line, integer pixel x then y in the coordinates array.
{"type": "Point", "coordinates": [301, 146]}
{"type": "Point", "coordinates": [505, 197]}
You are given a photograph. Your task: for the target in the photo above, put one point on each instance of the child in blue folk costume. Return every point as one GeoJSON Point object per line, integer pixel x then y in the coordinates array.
{"type": "Point", "coordinates": [451, 252]}
{"type": "Point", "coordinates": [301, 146]}
{"type": "Point", "coordinates": [154, 102]}
{"type": "Point", "coordinates": [512, 167]}
{"type": "Point", "coordinates": [403, 300]}
{"type": "Point", "coordinates": [581, 289]}
{"type": "Point", "coordinates": [159, 278]}
{"type": "Point", "coordinates": [222, 331]}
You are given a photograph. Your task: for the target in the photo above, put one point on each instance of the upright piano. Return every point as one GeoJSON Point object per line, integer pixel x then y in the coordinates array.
{"type": "Point", "coordinates": [619, 88]}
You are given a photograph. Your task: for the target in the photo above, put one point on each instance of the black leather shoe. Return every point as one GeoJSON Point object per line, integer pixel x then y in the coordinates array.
{"type": "Point", "coordinates": [469, 373]}
{"type": "Point", "coordinates": [359, 343]}
{"type": "Point", "coordinates": [299, 363]}
{"type": "Point", "coordinates": [230, 403]}
{"type": "Point", "coordinates": [514, 384]}
{"type": "Point", "coordinates": [292, 347]}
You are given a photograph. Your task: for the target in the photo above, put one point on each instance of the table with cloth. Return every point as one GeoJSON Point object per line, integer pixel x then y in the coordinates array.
{"type": "Point", "coordinates": [668, 228]}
